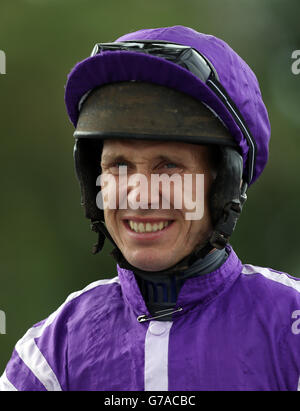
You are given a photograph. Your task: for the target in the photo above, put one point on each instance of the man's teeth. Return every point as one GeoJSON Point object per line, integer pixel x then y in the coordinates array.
{"type": "Point", "coordinates": [147, 227]}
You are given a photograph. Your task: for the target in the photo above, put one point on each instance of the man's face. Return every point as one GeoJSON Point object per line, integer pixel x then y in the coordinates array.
{"type": "Point", "coordinates": [156, 239]}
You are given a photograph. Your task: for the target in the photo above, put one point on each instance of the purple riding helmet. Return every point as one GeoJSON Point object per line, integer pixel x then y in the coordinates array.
{"type": "Point", "coordinates": [203, 67]}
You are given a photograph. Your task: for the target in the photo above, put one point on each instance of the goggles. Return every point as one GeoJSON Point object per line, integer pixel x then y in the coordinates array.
{"type": "Point", "coordinates": [193, 61]}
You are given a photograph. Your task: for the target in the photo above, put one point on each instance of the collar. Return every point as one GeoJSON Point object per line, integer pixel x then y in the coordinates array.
{"type": "Point", "coordinates": [160, 291]}
{"type": "Point", "coordinates": [196, 290]}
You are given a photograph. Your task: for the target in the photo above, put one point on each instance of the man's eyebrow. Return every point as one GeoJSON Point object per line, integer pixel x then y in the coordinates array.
{"type": "Point", "coordinates": [108, 158]}
{"type": "Point", "coordinates": [172, 158]}
{"type": "Point", "coordinates": [167, 157]}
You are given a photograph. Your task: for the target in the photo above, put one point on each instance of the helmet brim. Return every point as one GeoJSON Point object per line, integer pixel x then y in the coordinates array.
{"type": "Point", "coordinates": [121, 66]}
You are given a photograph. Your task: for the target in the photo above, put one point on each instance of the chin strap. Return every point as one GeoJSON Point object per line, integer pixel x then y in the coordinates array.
{"type": "Point", "coordinates": [182, 265]}
{"type": "Point", "coordinates": [226, 224]}
{"type": "Point", "coordinates": [219, 238]}
{"type": "Point", "coordinates": [98, 226]}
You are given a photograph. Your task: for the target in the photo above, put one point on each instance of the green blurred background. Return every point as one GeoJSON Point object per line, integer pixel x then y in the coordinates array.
{"type": "Point", "coordinates": [45, 239]}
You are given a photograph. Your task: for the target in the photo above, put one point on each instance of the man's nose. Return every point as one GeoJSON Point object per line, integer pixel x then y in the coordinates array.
{"type": "Point", "coordinates": [140, 190]}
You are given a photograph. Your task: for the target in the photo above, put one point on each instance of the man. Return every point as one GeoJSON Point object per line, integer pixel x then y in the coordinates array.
{"type": "Point", "coordinates": [183, 313]}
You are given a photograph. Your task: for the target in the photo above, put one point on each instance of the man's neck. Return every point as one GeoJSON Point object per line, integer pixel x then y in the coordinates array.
{"type": "Point", "coordinates": [160, 291]}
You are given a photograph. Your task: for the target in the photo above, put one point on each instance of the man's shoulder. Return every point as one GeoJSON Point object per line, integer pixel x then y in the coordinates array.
{"type": "Point", "coordinates": [269, 282]}
{"type": "Point", "coordinates": [271, 276]}
{"type": "Point", "coordinates": [89, 294]}
{"type": "Point", "coordinates": [79, 303]}
{"type": "Point", "coordinates": [273, 297]}
{"type": "Point", "coordinates": [41, 353]}
{"type": "Point", "coordinates": [96, 287]}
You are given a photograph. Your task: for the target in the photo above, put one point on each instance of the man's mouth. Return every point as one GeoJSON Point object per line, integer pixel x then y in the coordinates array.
{"type": "Point", "coordinates": [147, 227]}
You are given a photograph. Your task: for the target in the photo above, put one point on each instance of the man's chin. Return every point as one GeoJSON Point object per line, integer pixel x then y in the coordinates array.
{"type": "Point", "coordinates": [150, 263]}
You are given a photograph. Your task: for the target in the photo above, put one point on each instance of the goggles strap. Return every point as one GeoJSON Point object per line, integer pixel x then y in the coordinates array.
{"type": "Point", "coordinates": [219, 90]}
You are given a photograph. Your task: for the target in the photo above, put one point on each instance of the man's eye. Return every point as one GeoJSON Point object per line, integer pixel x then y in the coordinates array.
{"type": "Point", "coordinates": [119, 167]}
{"type": "Point", "coordinates": [171, 165]}
{"type": "Point", "coordinates": [120, 164]}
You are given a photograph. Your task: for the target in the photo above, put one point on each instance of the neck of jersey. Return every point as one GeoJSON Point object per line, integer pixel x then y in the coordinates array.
{"type": "Point", "coordinates": [160, 292]}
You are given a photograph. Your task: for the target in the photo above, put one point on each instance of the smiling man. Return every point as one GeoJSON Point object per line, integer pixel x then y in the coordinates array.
{"type": "Point", "coordinates": [158, 238]}
{"type": "Point", "coordinates": [171, 124]}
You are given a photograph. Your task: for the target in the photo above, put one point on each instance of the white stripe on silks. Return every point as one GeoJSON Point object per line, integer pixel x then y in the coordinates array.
{"type": "Point", "coordinates": [5, 384]}
{"type": "Point", "coordinates": [271, 275]}
{"type": "Point", "coordinates": [156, 356]}
{"type": "Point", "coordinates": [298, 389]}
{"type": "Point", "coordinates": [31, 355]}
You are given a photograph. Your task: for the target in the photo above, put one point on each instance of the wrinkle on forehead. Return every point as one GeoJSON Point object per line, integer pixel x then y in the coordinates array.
{"type": "Point", "coordinates": [141, 150]}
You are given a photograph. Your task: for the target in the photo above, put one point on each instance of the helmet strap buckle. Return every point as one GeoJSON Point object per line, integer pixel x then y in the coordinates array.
{"type": "Point", "coordinates": [226, 225]}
